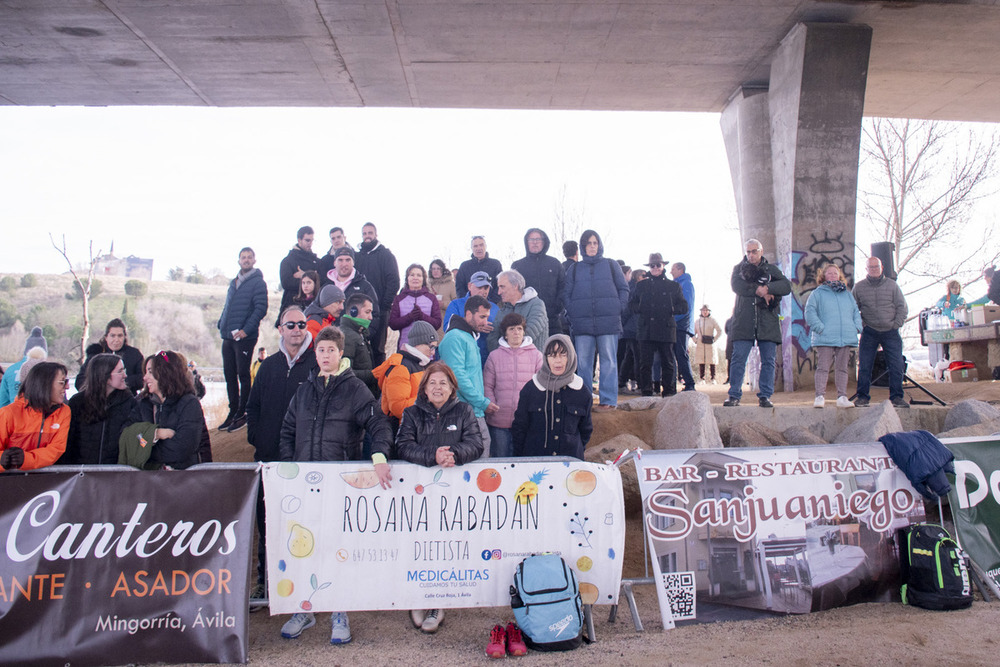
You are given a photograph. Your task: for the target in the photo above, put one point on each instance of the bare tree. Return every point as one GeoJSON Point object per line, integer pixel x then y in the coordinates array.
{"type": "Point", "coordinates": [84, 283]}
{"type": "Point", "coordinates": [924, 179]}
{"type": "Point", "coordinates": [569, 219]}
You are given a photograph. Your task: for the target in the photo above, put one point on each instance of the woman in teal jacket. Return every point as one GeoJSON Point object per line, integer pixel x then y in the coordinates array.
{"type": "Point", "coordinates": [834, 324]}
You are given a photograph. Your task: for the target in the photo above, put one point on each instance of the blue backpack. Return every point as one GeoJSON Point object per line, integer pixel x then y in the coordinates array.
{"type": "Point", "coordinates": [546, 602]}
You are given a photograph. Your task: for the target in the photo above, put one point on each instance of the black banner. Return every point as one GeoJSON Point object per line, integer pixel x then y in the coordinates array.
{"type": "Point", "coordinates": [110, 568]}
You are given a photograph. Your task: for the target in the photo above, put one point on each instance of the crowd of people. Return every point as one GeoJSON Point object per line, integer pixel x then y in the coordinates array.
{"type": "Point", "coordinates": [488, 362]}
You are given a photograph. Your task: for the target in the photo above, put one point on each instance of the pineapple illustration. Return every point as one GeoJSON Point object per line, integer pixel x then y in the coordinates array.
{"type": "Point", "coordinates": [529, 489]}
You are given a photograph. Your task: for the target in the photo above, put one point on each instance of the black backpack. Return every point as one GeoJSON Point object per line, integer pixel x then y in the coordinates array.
{"type": "Point", "coordinates": [932, 569]}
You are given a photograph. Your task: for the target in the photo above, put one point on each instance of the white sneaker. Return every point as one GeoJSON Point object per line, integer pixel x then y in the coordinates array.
{"type": "Point", "coordinates": [842, 402]}
{"type": "Point", "coordinates": [341, 628]}
{"type": "Point", "coordinates": [819, 402]}
{"type": "Point", "coordinates": [432, 620]}
{"type": "Point", "coordinates": [418, 616]}
{"type": "Point", "coordinates": [297, 624]}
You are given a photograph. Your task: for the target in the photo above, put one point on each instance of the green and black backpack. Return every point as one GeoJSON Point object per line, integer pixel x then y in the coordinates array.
{"type": "Point", "coordinates": [932, 569]}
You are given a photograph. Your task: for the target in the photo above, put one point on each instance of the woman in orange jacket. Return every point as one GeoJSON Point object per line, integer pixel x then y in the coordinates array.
{"type": "Point", "coordinates": [34, 428]}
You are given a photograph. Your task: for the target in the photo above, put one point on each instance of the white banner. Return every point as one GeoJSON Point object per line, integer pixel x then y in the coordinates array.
{"type": "Point", "coordinates": [439, 538]}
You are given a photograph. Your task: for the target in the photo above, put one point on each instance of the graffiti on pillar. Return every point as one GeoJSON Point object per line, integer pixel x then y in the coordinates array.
{"type": "Point", "coordinates": [826, 248]}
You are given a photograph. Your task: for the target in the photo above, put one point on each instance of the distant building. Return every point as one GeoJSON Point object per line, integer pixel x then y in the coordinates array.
{"type": "Point", "coordinates": [128, 267]}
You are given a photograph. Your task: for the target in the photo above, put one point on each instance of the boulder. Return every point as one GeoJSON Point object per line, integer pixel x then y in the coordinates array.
{"type": "Point", "coordinates": [969, 413]}
{"type": "Point", "coordinates": [686, 421]}
{"type": "Point", "coordinates": [973, 430]}
{"type": "Point", "coordinates": [800, 435]}
{"type": "Point", "coordinates": [609, 450]}
{"type": "Point", "coordinates": [641, 403]}
{"type": "Point", "coordinates": [872, 423]}
{"type": "Point", "coordinates": [752, 434]}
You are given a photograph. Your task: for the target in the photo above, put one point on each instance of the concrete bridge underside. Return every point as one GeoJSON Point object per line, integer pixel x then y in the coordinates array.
{"type": "Point", "coordinates": [791, 78]}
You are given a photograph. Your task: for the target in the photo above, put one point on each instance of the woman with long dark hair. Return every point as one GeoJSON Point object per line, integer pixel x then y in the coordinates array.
{"type": "Point", "coordinates": [99, 413]}
{"type": "Point", "coordinates": [308, 289]}
{"type": "Point", "coordinates": [167, 414]}
{"type": "Point", "coordinates": [33, 428]}
{"type": "Point", "coordinates": [115, 341]}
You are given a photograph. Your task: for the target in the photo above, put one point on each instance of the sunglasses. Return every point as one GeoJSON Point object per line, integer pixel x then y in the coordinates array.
{"type": "Point", "coordinates": [655, 265]}
{"type": "Point", "coordinates": [292, 325]}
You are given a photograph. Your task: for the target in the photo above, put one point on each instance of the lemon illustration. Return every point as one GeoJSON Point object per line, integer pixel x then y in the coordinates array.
{"type": "Point", "coordinates": [285, 587]}
{"type": "Point", "coordinates": [300, 541]}
{"type": "Point", "coordinates": [584, 563]}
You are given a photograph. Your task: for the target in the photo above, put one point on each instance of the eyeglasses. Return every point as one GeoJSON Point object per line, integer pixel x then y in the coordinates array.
{"type": "Point", "coordinates": [755, 251]}
{"type": "Point", "coordinates": [655, 265]}
{"type": "Point", "coordinates": [534, 239]}
{"type": "Point", "coordinates": [292, 325]}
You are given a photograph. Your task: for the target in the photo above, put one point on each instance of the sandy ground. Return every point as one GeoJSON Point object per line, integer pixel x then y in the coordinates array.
{"type": "Point", "coordinates": [887, 634]}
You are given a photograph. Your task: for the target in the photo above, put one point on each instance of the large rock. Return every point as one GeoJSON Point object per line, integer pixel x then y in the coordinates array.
{"type": "Point", "coordinates": [609, 450]}
{"type": "Point", "coordinates": [686, 421]}
{"type": "Point", "coordinates": [872, 423]}
{"type": "Point", "coordinates": [800, 435]}
{"type": "Point", "coordinates": [973, 430]}
{"type": "Point", "coordinates": [752, 434]}
{"type": "Point", "coordinates": [969, 413]}
{"type": "Point", "coordinates": [639, 404]}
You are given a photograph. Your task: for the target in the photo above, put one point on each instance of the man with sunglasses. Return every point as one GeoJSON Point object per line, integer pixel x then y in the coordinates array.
{"type": "Point", "coordinates": [246, 305]}
{"type": "Point", "coordinates": [759, 287]}
{"type": "Point", "coordinates": [278, 377]}
{"type": "Point", "coordinates": [657, 301]}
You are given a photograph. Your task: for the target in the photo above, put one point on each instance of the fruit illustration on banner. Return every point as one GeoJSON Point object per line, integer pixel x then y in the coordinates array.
{"type": "Point", "coordinates": [300, 541]}
{"type": "Point", "coordinates": [581, 482]}
{"type": "Point", "coordinates": [528, 490]}
{"type": "Point", "coordinates": [588, 593]}
{"type": "Point", "coordinates": [361, 479]}
{"type": "Point", "coordinates": [488, 480]}
{"type": "Point", "coordinates": [584, 563]}
{"type": "Point", "coordinates": [285, 587]}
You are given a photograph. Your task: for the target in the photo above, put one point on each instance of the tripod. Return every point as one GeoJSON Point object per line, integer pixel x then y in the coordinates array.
{"type": "Point", "coordinates": [906, 378]}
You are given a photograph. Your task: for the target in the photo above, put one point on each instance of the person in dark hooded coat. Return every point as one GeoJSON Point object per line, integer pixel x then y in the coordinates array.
{"type": "Point", "coordinates": [544, 273]}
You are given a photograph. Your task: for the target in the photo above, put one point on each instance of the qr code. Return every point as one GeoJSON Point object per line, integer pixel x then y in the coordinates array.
{"type": "Point", "coordinates": [680, 587]}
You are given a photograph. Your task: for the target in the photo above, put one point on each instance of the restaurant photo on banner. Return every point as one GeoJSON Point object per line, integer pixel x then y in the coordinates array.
{"type": "Point", "coordinates": [782, 530]}
{"type": "Point", "coordinates": [112, 568]}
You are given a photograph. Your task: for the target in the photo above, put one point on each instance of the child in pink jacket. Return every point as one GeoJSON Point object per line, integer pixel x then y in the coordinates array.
{"type": "Point", "coordinates": [508, 368]}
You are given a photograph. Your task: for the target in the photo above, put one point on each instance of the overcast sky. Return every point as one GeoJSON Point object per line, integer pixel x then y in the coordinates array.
{"type": "Point", "coordinates": [188, 186]}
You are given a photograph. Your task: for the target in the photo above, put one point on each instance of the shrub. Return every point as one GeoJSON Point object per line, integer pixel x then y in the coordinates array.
{"type": "Point", "coordinates": [136, 288]}
{"type": "Point", "coordinates": [50, 332]}
{"type": "Point", "coordinates": [95, 290]}
{"type": "Point", "coordinates": [8, 314]}
{"type": "Point", "coordinates": [29, 280]}
{"type": "Point", "coordinates": [8, 284]}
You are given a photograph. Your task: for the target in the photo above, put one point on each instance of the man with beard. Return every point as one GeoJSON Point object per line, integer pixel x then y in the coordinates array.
{"type": "Point", "coordinates": [300, 259]}
{"type": "Point", "coordinates": [759, 287]}
{"type": "Point", "coordinates": [379, 266]}
{"type": "Point", "coordinates": [544, 273]}
{"type": "Point", "coordinates": [338, 240]}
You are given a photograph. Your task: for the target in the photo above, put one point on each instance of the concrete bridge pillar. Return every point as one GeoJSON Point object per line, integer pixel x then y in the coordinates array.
{"type": "Point", "coordinates": [814, 106]}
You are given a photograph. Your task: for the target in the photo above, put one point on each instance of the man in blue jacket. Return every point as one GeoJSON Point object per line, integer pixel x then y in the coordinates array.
{"type": "Point", "coordinates": [246, 305]}
{"type": "Point", "coordinates": [684, 329]}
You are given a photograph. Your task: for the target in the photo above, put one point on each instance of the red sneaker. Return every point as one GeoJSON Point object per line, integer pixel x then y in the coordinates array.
{"type": "Point", "coordinates": [515, 644]}
{"type": "Point", "coordinates": [496, 648]}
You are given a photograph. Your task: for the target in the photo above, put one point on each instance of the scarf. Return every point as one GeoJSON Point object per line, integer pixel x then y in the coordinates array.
{"type": "Point", "coordinates": [545, 376]}
{"type": "Point", "coordinates": [837, 285]}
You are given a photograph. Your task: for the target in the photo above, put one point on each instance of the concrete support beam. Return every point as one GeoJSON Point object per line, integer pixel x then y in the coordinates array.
{"type": "Point", "coordinates": [793, 153]}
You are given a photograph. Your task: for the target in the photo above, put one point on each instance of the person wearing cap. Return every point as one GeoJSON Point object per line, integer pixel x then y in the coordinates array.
{"type": "Point", "coordinates": [759, 286]}
{"type": "Point", "coordinates": [34, 347]}
{"type": "Point", "coordinates": [706, 332]}
{"type": "Point", "coordinates": [338, 240]}
{"type": "Point", "coordinates": [657, 301]}
{"type": "Point", "coordinates": [351, 281]}
{"type": "Point", "coordinates": [300, 259]}
{"type": "Point", "coordinates": [399, 375]}
{"type": "Point", "coordinates": [245, 307]}
{"type": "Point", "coordinates": [325, 310]}
{"type": "Point", "coordinates": [379, 266]}
{"type": "Point", "coordinates": [479, 284]}
{"type": "Point", "coordinates": [480, 261]}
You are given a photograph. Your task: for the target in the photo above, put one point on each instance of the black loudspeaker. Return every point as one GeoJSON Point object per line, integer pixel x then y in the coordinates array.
{"type": "Point", "coordinates": [883, 251]}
